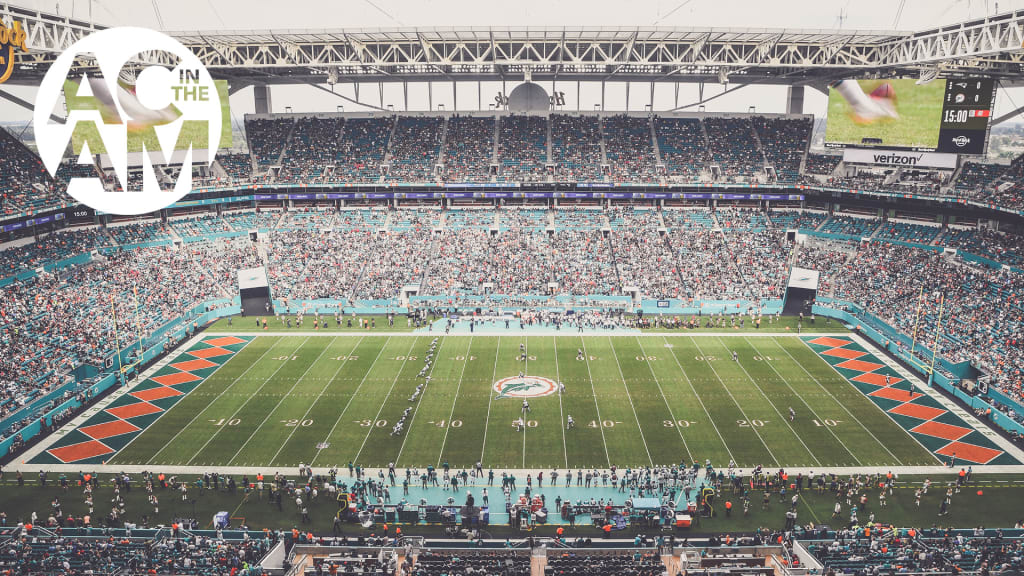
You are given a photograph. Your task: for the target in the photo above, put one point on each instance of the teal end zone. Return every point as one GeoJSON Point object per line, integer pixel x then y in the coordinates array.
{"type": "Point", "coordinates": [974, 448]}
{"type": "Point", "coordinates": [114, 427]}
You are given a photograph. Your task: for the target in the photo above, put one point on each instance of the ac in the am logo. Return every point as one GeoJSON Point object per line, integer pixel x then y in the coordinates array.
{"type": "Point", "coordinates": [524, 387]}
{"type": "Point", "coordinates": [12, 38]}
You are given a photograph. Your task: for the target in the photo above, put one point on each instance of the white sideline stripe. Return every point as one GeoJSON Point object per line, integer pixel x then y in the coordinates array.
{"type": "Point", "coordinates": [663, 397]}
{"type": "Point", "coordinates": [740, 408]}
{"type": "Point", "coordinates": [829, 392]}
{"type": "Point", "coordinates": [281, 401]}
{"type": "Point", "coordinates": [318, 396]}
{"type": "Point", "coordinates": [631, 405]}
{"type": "Point", "coordinates": [774, 407]}
{"type": "Point", "coordinates": [386, 396]}
{"type": "Point", "coordinates": [693, 389]}
{"type": "Point", "coordinates": [350, 398]}
{"type": "Point", "coordinates": [244, 404]}
{"type": "Point", "coordinates": [804, 402]}
{"type": "Point", "coordinates": [454, 401]}
{"type": "Point", "coordinates": [600, 422]}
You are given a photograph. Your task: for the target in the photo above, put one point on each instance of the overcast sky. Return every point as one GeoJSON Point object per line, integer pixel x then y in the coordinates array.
{"type": "Point", "coordinates": [306, 14]}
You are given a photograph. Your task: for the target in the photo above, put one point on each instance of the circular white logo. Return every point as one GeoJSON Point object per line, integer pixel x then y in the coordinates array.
{"type": "Point", "coordinates": [162, 115]}
{"type": "Point", "coordinates": [524, 387]}
{"type": "Point", "coordinates": [961, 141]}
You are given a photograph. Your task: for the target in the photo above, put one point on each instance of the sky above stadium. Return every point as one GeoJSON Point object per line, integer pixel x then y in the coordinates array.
{"type": "Point", "coordinates": [306, 14]}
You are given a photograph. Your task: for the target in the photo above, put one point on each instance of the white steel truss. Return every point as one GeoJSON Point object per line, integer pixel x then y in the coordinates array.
{"type": "Point", "coordinates": [990, 47]}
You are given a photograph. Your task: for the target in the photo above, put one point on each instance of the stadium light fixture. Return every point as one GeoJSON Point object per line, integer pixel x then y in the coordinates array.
{"type": "Point", "coordinates": [340, 108]}
{"type": "Point", "coordinates": [287, 109]}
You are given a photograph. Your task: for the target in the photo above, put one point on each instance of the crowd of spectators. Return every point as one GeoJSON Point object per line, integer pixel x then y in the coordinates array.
{"type": "Point", "coordinates": [683, 148]}
{"type": "Point", "coordinates": [629, 147]}
{"type": "Point", "coordinates": [733, 148]}
{"type": "Point", "coordinates": [35, 553]}
{"type": "Point", "coordinates": [415, 149]}
{"type": "Point", "coordinates": [364, 143]}
{"type": "Point", "coordinates": [522, 148]}
{"type": "Point", "coordinates": [469, 149]}
{"type": "Point", "coordinates": [267, 137]}
{"type": "Point", "coordinates": [887, 550]}
{"type": "Point", "coordinates": [25, 184]}
{"type": "Point", "coordinates": [784, 141]}
{"type": "Point", "coordinates": [823, 164]}
{"type": "Point", "coordinates": [312, 151]}
{"type": "Point", "coordinates": [576, 148]}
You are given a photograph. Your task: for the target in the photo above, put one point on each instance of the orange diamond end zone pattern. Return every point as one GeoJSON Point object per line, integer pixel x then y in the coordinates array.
{"type": "Point", "coordinates": [176, 378]}
{"type": "Point", "coordinates": [830, 342]}
{"type": "Point", "coordinates": [917, 411]}
{"type": "Point", "coordinates": [964, 451]}
{"type": "Point", "coordinates": [108, 429]}
{"type": "Point", "coordinates": [197, 364]}
{"type": "Point", "coordinates": [940, 430]}
{"type": "Point", "coordinates": [223, 341]}
{"type": "Point", "coordinates": [875, 379]}
{"type": "Point", "coordinates": [844, 353]}
{"type": "Point", "coordinates": [859, 365]}
{"type": "Point", "coordinates": [133, 410]}
{"type": "Point", "coordinates": [209, 352]}
{"type": "Point", "coordinates": [81, 451]}
{"type": "Point", "coordinates": [896, 394]}
{"type": "Point", "coordinates": [156, 393]}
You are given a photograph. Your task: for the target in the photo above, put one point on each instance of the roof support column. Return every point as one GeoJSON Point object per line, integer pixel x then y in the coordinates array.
{"type": "Point", "coordinates": [795, 100]}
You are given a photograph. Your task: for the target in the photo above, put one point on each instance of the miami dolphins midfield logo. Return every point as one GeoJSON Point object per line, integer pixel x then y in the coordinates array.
{"type": "Point", "coordinates": [524, 387]}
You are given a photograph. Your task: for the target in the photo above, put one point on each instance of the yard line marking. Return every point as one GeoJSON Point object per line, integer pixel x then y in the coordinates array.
{"type": "Point", "coordinates": [600, 422]}
{"type": "Point", "coordinates": [729, 392]}
{"type": "Point", "coordinates": [490, 397]}
{"type": "Point", "coordinates": [281, 401]}
{"type": "Point", "coordinates": [836, 370]}
{"type": "Point", "coordinates": [561, 415]}
{"type": "Point", "coordinates": [317, 399]}
{"type": "Point", "coordinates": [194, 418]}
{"type": "Point", "coordinates": [631, 405]}
{"type": "Point", "coordinates": [235, 413]}
{"type": "Point", "coordinates": [454, 401]}
{"type": "Point", "coordinates": [390, 390]}
{"type": "Point", "coordinates": [663, 397]}
{"type": "Point", "coordinates": [804, 402]}
{"type": "Point", "coordinates": [423, 393]}
{"type": "Point", "coordinates": [774, 407]}
{"type": "Point", "coordinates": [699, 400]}
{"type": "Point", "coordinates": [350, 398]}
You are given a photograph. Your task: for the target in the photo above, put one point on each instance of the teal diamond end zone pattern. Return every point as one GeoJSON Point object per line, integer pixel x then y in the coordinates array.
{"type": "Point", "coordinates": [100, 437]}
{"type": "Point", "coordinates": [943, 433]}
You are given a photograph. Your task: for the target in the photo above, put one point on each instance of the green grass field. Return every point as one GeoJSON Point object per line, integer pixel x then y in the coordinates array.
{"type": "Point", "coordinates": [327, 400]}
{"type": "Point", "coordinates": [920, 115]}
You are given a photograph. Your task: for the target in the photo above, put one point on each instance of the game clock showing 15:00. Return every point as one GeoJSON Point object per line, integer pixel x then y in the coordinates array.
{"type": "Point", "coordinates": [966, 111]}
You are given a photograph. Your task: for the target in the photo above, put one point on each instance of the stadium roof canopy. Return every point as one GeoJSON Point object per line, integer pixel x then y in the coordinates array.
{"type": "Point", "coordinates": [989, 47]}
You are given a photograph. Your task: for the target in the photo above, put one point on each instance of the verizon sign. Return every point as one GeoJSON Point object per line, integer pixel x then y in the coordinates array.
{"type": "Point", "coordinates": [900, 158]}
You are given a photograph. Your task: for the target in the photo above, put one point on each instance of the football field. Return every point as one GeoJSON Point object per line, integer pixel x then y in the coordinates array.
{"type": "Point", "coordinates": [327, 400]}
